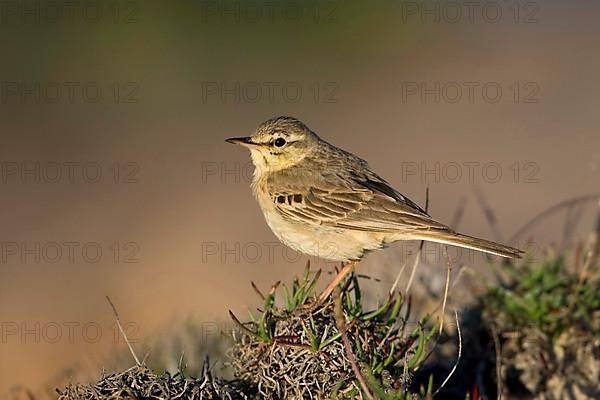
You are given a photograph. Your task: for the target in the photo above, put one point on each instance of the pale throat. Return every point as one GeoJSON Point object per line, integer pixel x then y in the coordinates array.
{"type": "Point", "coordinates": [266, 163]}
{"type": "Point", "coordinates": [261, 170]}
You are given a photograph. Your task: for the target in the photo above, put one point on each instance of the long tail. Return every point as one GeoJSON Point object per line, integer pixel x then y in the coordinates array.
{"type": "Point", "coordinates": [469, 242]}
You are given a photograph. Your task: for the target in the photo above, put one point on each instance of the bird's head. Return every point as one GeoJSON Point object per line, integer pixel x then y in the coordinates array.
{"type": "Point", "coordinates": [279, 143]}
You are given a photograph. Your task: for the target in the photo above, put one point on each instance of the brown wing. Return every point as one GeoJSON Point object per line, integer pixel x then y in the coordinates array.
{"type": "Point", "coordinates": [359, 201]}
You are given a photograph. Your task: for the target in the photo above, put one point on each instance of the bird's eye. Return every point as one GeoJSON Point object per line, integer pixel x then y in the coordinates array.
{"type": "Point", "coordinates": [279, 142]}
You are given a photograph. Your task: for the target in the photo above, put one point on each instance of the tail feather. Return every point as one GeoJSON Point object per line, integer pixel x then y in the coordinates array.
{"type": "Point", "coordinates": [469, 242]}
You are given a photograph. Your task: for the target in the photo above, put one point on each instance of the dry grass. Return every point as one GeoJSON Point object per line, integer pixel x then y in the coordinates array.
{"type": "Point", "coordinates": [140, 382]}
{"type": "Point", "coordinates": [302, 349]}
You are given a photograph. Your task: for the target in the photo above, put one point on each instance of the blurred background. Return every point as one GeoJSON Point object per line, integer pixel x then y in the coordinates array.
{"type": "Point", "coordinates": [115, 178]}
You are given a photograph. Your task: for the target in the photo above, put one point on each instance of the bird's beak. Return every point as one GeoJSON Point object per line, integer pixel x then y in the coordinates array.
{"type": "Point", "coordinates": [243, 141]}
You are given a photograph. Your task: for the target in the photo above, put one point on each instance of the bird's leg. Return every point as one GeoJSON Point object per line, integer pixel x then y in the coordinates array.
{"type": "Point", "coordinates": [346, 268]}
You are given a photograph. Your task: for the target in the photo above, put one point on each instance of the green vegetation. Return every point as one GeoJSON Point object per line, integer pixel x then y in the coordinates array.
{"type": "Point", "coordinates": [302, 348]}
{"type": "Point", "coordinates": [547, 322]}
{"type": "Point", "coordinates": [545, 295]}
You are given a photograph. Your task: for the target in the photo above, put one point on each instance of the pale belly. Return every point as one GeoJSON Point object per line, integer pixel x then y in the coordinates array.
{"type": "Point", "coordinates": [319, 241]}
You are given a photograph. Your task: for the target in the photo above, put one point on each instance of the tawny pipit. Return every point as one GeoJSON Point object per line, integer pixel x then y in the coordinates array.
{"type": "Point", "coordinates": [326, 202]}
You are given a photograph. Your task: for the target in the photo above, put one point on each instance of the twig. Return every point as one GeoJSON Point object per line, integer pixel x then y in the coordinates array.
{"type": "Point", "coordinates": [458, 214]}
{"type": "Point", "coordinates": [589, 261]}
{"type": "Point", "coordinates": [498, 350]}
{"type": "Point", "coordinates": [448, 272]}
{"type": "Point", "coordinates": [341, 325]}
{"type": "Point", "coordinates": [137, 361]}
{"type": "Point", "coordinates": [457, 358]}
{"type": "Point", "coordinates": [398, 275]}
{"type": "Point", "coordinates": [552, 210]}
{"type": "Point", "coordinates": [148, 352]}
{"type": "Point", "coordinates": [489, 214]}
{"type": "Point", "coordinates": [413, 270]}
{"type": "Point", "coordinates": [572, 218]}
{"type": "Point", "coordinates": [461, 271]}
{"type": "Point", "coordinates": [240, 325]}
{"type": "Point", "coordinates": [145, 357]}
{"type": "Point", "coordinates": [181, 360]}
{"type": "Point", "coordinates": [593, 253]}
{"type": "Point", "coordinates": [257, 290]}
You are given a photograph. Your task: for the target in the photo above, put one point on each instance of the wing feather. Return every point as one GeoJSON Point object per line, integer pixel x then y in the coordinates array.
{"type": "Point", "coordinates": [362, 202]}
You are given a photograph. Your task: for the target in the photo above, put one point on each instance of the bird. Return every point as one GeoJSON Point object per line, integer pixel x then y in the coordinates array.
{"type": "Point", "coordinates": [324, 201]}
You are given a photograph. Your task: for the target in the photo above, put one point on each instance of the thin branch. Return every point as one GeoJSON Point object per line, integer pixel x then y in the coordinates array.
{"type": "Point", "coordinates": [257, 290]}
{"type": "Point", "coordinates": [594, 252]}
{"type": "Point", "coordinates": [240, 325]}
{"type": "Point", "coordinates": [137, 361]}
{"type": "Point", "coordinates": [457, 358]}
{"type": "Point", "coordinates": [552, 210]}
{"type": "Point", "coordinates": [462, 270]}
{"type": "Point", "coordinates": [341, 325]}
{"type": "Point", "coordinates": [498, 350]}
{"type": "Point", "coordinates": [490, 216]}
{"type": "Point", "coordinates": [448, 273]}
{"type": "Point", "coordinates": [398, 275]}
{"type": "Point", "coordinates": [572, 219]}
{"type": "Point", "coordinates": [458, 214]}
{"type": "Point", "coordinates": [181, 360]}
{"type": "Point", "coordinates": [413, 270]}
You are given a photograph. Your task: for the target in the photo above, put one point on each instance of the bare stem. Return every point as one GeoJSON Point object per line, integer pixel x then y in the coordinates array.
{"type": "Point", "coordinates": [341, 325]}
{"type": "Point", "coordinates": [137, 361]}
{"type": "Point", "coordinates": [457, 358]}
